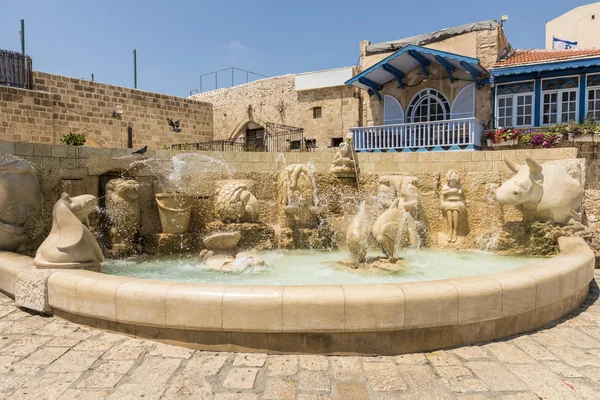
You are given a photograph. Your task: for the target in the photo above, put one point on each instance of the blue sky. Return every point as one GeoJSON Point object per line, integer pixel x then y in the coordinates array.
{"type": "Point", "coordinates": [178, 40]}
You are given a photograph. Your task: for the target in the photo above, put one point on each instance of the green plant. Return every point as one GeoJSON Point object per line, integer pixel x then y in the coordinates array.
{"type": "Point", "coordinates": [590, 126]}
{"type": "Point", "coordinates": [504, 134]}
{"type": "Point", "coordinates": [73, 139]}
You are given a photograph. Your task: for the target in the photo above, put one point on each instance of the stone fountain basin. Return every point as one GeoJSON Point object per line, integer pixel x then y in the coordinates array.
{"type": "Point", "coordinates": [385, 319]}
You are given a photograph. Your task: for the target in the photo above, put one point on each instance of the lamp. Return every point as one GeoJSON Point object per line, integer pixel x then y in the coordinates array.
{"type": "Point", "coordinates": [118, 113]}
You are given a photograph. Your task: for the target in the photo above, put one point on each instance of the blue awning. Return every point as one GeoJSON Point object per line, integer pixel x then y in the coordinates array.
{"type": "Point", "coordinates": [399, 64]}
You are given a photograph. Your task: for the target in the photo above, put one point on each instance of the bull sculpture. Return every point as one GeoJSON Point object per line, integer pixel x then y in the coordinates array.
{"type": "Point", "coordinates": [542, 192]}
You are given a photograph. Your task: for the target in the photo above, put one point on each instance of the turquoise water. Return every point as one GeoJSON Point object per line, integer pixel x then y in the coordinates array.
{"type": "Point", "coordinates": [317, 268]}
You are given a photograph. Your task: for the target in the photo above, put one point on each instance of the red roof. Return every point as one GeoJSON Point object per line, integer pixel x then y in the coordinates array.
{"type": "Point", "coordinates": [536, 56]}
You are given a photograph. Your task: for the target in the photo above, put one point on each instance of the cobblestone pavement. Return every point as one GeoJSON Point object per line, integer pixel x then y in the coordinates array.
{"type": "Point", "coordinates": [47, 358]}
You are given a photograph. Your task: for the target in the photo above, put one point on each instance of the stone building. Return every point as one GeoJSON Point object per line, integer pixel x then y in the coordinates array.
{"type": "Point", "coordinates": [329, 106]}
{"type": "Point", "coordinates": [318, 102]}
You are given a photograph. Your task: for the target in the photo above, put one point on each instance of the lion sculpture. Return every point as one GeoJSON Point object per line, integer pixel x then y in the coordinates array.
{"type": "Point", "coordinates": [123, 211]}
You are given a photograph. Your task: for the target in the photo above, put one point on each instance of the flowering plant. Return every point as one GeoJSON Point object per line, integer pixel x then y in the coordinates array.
{"type": "Point", "coordinates": [548, 139]}
{"type": "Point", "coordinates": [590, 126]}
{"type": "Point", "coordinates": [504, 134]}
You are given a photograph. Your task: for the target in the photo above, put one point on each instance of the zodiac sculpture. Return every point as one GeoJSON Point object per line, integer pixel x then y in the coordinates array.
{"type": "Point", "coordinates": [542, 192]}
{"type": "Point", "coordinates": [124, 212]}
{"type": "Point", "coordinates": [453, 204]}
{"type": "Point", "coordinates": [235, 203]}
{"type": "Point", "coordinates": [20, 202]}
{"type": "Point", "coordinates": [70, 244]}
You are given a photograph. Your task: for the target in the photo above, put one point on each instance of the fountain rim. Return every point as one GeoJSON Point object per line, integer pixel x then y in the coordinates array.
{"type": "Point", "coordinates": [448, 312]}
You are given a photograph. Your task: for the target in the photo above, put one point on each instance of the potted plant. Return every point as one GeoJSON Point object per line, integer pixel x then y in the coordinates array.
{"type": "Point", "coordinates": [503, 137]}
{"type": "Point", "coordinates": [547, 139]}
{"type": "Point", "coordinates": [583, 132]}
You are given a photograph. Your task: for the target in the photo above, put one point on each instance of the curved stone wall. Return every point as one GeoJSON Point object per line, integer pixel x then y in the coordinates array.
{"type": "Point", "coordinates": [347, 319]}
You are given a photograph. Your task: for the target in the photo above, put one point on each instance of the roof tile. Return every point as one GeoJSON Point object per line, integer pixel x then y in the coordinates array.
{"type": "Point", "coordinates": [535, 56]}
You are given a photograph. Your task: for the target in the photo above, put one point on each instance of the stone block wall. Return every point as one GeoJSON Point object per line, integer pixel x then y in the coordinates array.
{"type": "Point", "coordinates": [60, 105]}
{"type": "Point", "coordinates": [276, 100]}
{"type": "Point", "coordinates": [84, 170]}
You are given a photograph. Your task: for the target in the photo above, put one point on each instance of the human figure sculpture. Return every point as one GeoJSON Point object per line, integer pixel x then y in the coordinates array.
{"type": "Point", "coordinates": [20, 203]}
{"type": "Point", "coordinates": [542, 192]}
{"type": "Point", "coordinates": [235, 203]}
{"type": "Point", "coordinates": [343, 161]}
{"type": "Point", "coordinates": [70, 244]}
{"type": "Point", "coordinates": [123, 211]}
{"type": "Point", "coordinates": [453, 204]}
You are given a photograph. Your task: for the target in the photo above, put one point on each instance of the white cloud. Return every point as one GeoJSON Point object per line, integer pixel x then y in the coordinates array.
{"type": "Point", "coordinates": [237, 51]}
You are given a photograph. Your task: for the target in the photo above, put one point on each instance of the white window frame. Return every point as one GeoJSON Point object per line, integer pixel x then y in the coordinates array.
{"type": "Point", "coordinates": [587, 94]}
{"type": "Point", "coordinates": [559, 93]}
{"type": "Point", "coordinates": [394, 100]}
{"type": "Point", "coordinates": [515, 97]}
{"type": "Point", "coordinates": [455, 115]}
{"type": "Point", "coordinates": [411, 117]}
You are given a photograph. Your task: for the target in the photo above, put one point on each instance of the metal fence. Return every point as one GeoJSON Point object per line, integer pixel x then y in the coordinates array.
{"type": "Point", "coordinates": [213, 145]}
{"type": "Point", "coordinates": [272, 138]}
{"type": "Point", "coordinates": [282, 138]}
{"type": "Point", "coordinates": [15, 70]}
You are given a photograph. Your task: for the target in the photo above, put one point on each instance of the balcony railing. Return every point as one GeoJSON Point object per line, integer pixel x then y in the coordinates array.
{"type": "Point", "coordinates": [452, 134]}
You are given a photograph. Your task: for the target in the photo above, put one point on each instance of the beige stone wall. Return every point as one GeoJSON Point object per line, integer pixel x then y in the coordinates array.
{"type": "Point", "coordinates": [60, 105]}
{"type": "Point", "coordinates": [276, 100]}
{"type": "Point", "coordinates": [82, 170]}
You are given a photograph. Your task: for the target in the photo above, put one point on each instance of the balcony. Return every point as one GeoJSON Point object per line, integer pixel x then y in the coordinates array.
{"type": "Point", "coordinates": [452, 134]}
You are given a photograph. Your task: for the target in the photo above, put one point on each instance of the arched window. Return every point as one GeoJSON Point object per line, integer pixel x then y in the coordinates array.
{"type": "Point", "coordinates": [392, 111]}
{"type": "Point", "coordinates": [464, 103]}
{"type": "Point", "coordinates": [428, 105]}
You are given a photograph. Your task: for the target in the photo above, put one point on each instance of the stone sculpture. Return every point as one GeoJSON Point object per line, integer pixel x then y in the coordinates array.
{"type": "Point", "coordinates": [300, 186]}
{"type": "Point", "coordinates": [542, 192]}
{"type": "Point", "coordinates": [220, 253]}
{"type": "Point", "coordinates": [357, 234]}
{"type": "Point", "coordinates": [345, 162]}
{"type": "Point", "coordinates": [298, 196]}
{"type": "Point", "coordinates": [20, 203]}
{"type": "Point", "coordinates": [409, 194]}
{"type": "Point", "coordinates": [453, 204]}
{"type": "Point", "coordinates": [387, 191]}
{"type": "Point", "coordinates": [235, 203]}
{"type": "Point", "coordinates": [70, 244]}
{"type": "Point", "coordinates": [124, 213]}
{"type": "Point", "coordinates": [395, 229]}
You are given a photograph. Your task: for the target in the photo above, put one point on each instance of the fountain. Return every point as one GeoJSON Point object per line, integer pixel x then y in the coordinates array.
{"type": "Point", "coordinates": [262, 281]}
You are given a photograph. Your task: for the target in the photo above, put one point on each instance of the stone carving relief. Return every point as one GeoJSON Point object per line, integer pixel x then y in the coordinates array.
{"type": "Point", "coordinates": [298, 193]}
{"type": "Point", "coordinates": [542, 192]}
{"type": "Point", "coordinates": [395, 229]}
{"type": "Point", "coordinates": [453, 204]}
{"type": "Point", "coordinates": [387, 191]}
{"type": "Point", "coordinates": [124, 213]}
{"type": "Point", "coordinates": [345, 162]}
{"type": "Point", "coordinates": [20, 203]}
{"type": "Point", "coordinates": [235, 203]}
{"type": "Point", "coordinates": [70, 244]}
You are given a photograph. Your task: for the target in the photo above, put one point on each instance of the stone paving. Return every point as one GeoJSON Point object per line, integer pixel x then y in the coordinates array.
{"type": "Point", "coordinates": [47, 358]}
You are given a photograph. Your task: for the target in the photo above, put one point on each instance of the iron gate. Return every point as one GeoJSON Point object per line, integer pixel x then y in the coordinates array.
{"type": "Point", "coordinates": [15, 70]}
